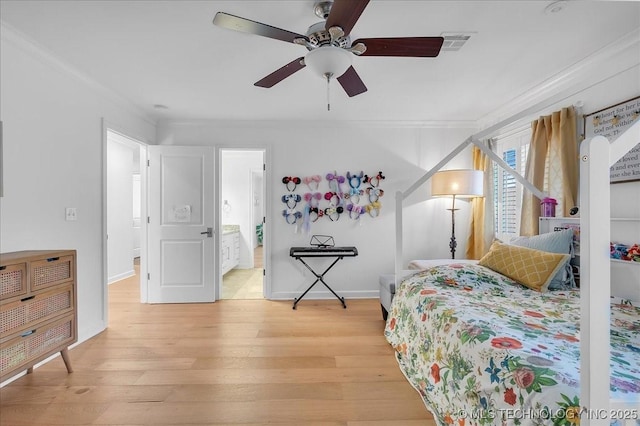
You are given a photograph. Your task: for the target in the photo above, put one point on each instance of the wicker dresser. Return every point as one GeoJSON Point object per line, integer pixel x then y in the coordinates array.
{"type": "Point", "coordinates": [38, 312]}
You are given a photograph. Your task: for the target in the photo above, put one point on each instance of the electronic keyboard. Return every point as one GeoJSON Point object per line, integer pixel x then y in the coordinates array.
{"type": "Point", "coordinates": [323, 251]}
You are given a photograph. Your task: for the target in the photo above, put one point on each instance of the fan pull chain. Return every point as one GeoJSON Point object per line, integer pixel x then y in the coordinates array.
{"type": "Point", "coordinates": [328, 75]}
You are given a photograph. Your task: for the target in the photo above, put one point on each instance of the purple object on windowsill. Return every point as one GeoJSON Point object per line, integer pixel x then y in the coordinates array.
{"type": "Point", "coordinates": [548, 207]}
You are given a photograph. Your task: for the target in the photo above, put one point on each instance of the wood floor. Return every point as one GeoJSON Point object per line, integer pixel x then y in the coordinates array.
{"type": "Point", "coordinates": [233, 362]}
{"type": "Point", "coordinates": [245, 283]}
{"type": "Point", "coordinates": [242, 284]}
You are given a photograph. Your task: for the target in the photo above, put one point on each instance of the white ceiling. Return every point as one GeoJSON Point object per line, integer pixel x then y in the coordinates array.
{"type": "Point", "coordinates": [170, 53]}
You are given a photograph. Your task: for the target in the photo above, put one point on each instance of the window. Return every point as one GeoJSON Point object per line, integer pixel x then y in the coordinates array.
{"type": "Point", "coordinates": [507, 196]}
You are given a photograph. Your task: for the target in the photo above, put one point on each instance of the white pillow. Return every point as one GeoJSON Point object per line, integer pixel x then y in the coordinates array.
{"type": "Point", "coordinates": [553, 242]}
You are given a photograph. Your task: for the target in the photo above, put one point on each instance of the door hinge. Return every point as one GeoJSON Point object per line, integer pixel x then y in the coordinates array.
{"type": "Point", "coordinates": [264, 167]}
{"type": "Point", "coordinates": [264, 219]}
{"type": "Point", "coordinates": [149, 276]}
{"type": "Point", "coordinates": [264, 272]}
{"type": "Point", "coordinates": [148, 219]}
{"type": "Point", "coordinates": [148, 163]}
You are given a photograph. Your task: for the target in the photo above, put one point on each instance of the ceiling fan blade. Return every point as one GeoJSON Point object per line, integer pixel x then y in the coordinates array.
{"type": "Point", "coordinates": [244, 25]}
{"type": "Point", "coordinates": [425, 47]}
{"type": "Point", "coordinates": [345, 14]}
{"type": "Point", "coordinates": [280, 74]}
{"type": "Point", "coordinates": [351, 82]}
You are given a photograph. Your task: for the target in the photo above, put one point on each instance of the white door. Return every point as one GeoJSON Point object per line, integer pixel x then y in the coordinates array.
{"type": "Point", "coordinates": [181, 219]}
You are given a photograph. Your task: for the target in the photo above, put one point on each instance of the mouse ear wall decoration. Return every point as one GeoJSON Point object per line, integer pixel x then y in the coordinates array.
{"type": "Point", "coordinates": [373, 208]}
{"type": "Point", "coordinates": [355, 180]}
{"type": "Point", "coordinates": [315, 213]}
{"type": "Point", "coordinates": [333, 213]}
{"type": "Point", "coordinates": [291, 182]}
{"type": "Point", "coordinates": [291, 216]}
{"type": "Point", "coordinates": [355, 211]}
{"type": "Point", "coordinates": [311, 209]}
{"type": "Point", "coordinates": [374, 194]}
{"type": "Point", "coordinates": [374, 181]}
{"type": "Point", "coordinates": [355, 194]}
{"type": "Point", "coordinates": [312, 182]}
{"type": "Point", "coordinates": [313, 198]}
{"type": "Point", "coordinates": [291, 200]}
{"type": "Point", "coordinates": [334, 180]}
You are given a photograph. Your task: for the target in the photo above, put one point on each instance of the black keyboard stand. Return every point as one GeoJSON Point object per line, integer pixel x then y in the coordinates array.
{"type": "Point", "coordinates": [299, 253]}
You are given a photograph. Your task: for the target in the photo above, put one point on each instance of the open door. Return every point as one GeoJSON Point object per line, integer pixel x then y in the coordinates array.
{"type": "Point", "coordinates": [181, 261]}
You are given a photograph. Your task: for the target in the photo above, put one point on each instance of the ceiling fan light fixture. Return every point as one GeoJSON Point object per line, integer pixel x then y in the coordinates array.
{"type": "Point", "coordinates": [328, 60]}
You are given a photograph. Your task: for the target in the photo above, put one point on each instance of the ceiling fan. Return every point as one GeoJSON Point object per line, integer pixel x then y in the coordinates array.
{"type": "Point", "coordinates": [330, 48]}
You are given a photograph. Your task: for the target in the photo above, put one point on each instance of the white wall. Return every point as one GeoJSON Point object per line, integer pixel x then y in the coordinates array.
{"type": "Point", "coordinates": [53, 155]}
{"type": "Point", "coordinates": [236, 189]}
{"type": "Point", "coordinates": [403, 153]}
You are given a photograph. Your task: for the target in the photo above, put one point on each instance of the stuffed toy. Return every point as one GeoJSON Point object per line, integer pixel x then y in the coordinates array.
{"type": "Point", "coordinates": [618, 251]}
{"type": "Point", "coordinates": [634, 253]}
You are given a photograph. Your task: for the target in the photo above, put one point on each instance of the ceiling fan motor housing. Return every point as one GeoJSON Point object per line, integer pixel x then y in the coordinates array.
{"type": "Point", "coordinates": [319, 36]}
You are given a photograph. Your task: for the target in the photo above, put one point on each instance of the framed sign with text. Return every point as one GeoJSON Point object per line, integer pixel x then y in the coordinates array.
{"type": "Point", "coordinates": [610, 123]}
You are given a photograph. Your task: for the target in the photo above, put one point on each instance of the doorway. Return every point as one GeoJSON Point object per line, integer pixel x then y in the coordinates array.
{"type": "Point", "coordinates": [124, 195]}
{"type": "Point", "coordinates": [242, 212]}
{"type": "Point", "coordinates": [177, 251]}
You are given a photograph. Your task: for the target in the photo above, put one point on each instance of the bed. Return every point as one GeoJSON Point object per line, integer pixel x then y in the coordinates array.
{"type": "Point", "coordinates": [482, 349]}
{"type": "Point", "coordinates": [387, 282]}
{"type": "Point", "coordinates": [479, 347]}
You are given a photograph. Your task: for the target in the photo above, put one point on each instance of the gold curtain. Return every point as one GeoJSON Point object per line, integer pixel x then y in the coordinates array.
{"type": "Point", "coordinates": [552, 166]}
{"type": "Point", "coordinates": [481, 231]}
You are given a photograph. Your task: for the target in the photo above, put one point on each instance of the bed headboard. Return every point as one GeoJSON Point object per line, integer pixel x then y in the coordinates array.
{"type": "Point", "coordinates": [596, 157]}
{"type": "Point", "coordinates": [475, 139]}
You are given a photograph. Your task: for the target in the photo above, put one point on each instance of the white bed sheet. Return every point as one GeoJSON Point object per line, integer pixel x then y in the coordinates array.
{"type": "Point", "coordinates": [430, 263]}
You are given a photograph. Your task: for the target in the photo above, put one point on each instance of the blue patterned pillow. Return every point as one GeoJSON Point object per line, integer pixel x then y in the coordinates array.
{"type": "Point", "coordinates": [553, 242]}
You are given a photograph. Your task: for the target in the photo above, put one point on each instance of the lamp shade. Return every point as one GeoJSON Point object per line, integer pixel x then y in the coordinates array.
{"type": "Point", "coordinates": [461, 183]}
{"type": "Point", "coordinates": [328, 60]}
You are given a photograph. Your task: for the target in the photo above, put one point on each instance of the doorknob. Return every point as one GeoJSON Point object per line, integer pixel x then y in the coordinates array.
{"type": "Point", "coordinates": [209, 232]}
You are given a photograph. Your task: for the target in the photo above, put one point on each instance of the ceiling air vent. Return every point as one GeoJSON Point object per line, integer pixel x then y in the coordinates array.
{"type": "Point", "coordinates": [454, 41]}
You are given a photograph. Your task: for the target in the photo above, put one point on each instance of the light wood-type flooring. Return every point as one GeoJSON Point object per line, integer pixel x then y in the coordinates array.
{"type": "Point", "coordinates": [245, 283]}
{"type": "Point", "coordinates": [242, 284]}
{"type": "Point", "coordinates": [233, 362]}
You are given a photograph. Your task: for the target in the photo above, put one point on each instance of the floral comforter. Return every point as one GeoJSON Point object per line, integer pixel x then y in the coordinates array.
{"type": "Point", "coordinates": [481, 349]}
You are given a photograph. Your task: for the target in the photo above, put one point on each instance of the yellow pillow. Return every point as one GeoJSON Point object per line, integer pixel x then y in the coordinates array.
{"type": "Point", "coordinates": [532, 268]}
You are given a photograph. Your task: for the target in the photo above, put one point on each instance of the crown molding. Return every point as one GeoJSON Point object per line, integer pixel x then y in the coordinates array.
{"type": "Point", "coordinates": [9, 34]}
{"type": "Point", "coordinates": [607, 62]}
{"type": "Point", "coordinates": [612, 59]}
{"type": "Point", "coordinates": [45, 55]}
{"type": "Point", "coordinates": [343, 124]}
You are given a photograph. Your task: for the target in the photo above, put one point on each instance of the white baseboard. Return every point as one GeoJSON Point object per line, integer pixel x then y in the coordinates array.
{"type": "Point", "coordinates": [121, 276]}
{"type": "Point", "coordinates": [326, 294]}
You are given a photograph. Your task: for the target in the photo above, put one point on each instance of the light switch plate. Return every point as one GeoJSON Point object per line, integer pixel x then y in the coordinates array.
{"type": "Point", "coordinates": [71, 214]}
